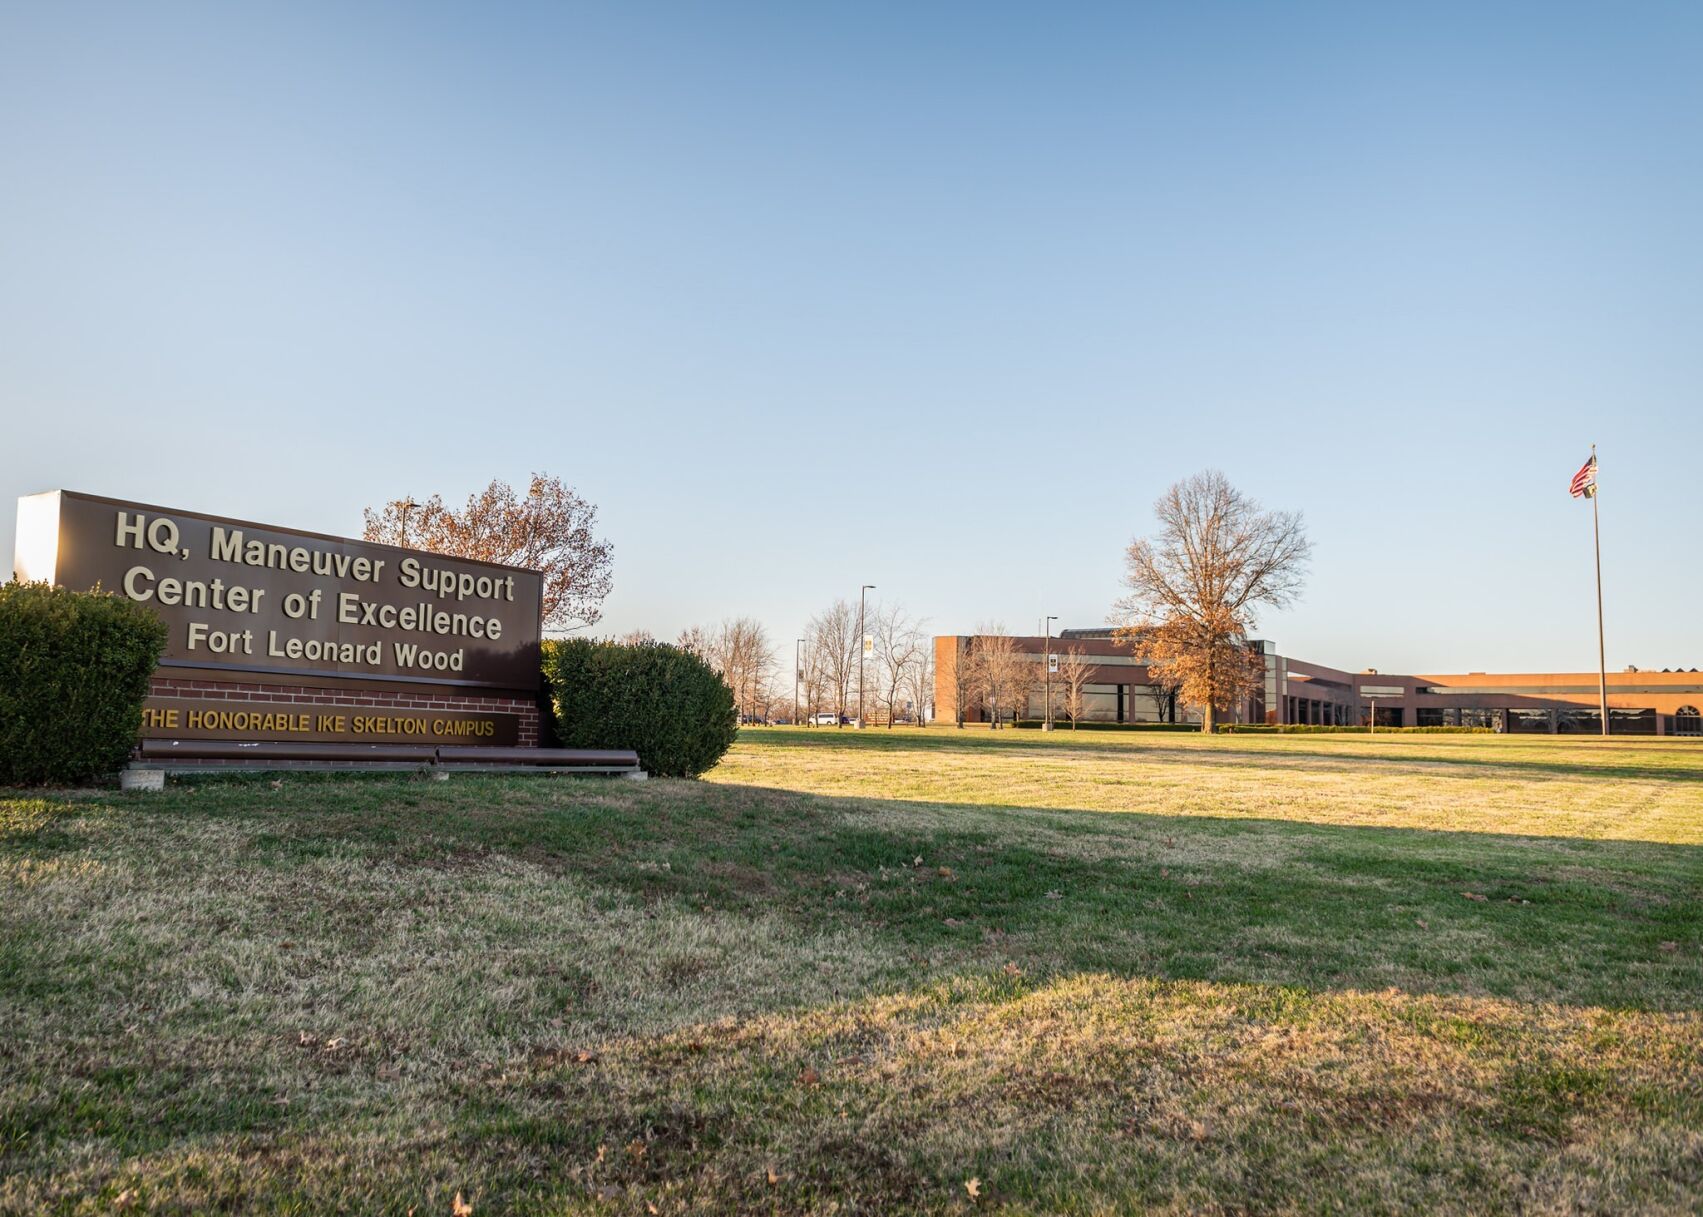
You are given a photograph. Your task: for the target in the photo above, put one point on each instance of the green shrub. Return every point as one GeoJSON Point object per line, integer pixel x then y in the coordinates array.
{"type": "Point", "coordinates": [74, 668]}
{"type": "Point", "coordinates": [664, 703]}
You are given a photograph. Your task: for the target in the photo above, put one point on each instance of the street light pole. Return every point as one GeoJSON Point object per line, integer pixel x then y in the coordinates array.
{"type": "Point", "coordinates": [407, 505]}
{"type": "Point", "coordinates": [1048, 660]}
{"type": "Point", "coordinates": [797, 671]}
{"type": "Point", "coordinates": [867, 587]}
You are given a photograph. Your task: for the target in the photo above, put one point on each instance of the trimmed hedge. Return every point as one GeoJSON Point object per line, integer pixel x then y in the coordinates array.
{"type": "Point", "coordinates": [664, 703]}
{"type": "Point", "coordinates": [74, 669]}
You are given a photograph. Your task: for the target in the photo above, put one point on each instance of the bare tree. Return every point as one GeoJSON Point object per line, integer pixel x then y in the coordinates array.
{"type": "Point", "coordinates": [1074, 668]}
{"type": "Point", "coordinates": [776, 702]}
{"type": "Point", "coordinates": [549, 531]}
{"type": "Point", "coordinates": [1194, 589]}
{"type": "Point", "coordinates": [1165, 693]}
{"type": "Point", "coordinates": [752, 657]}
{"type": "Point", "coordinates": [899, 645]}
{"type": "Point", "coordinates": [1161, 686]}
{"type": "Point", "coordinates": [965, 677]}
{"type": "Point", "coordinates": [694, 640]}
{"type": "Point", "coordinates": [814, 687]}
{"type": "Point", "coordinates": [833, 642]}
{"type": "Point", "coordinates": [739, 650]}
{"type": "Point", "coordinates": [922, 684]}
{"type": "Point", "coordinates": [1005, 674]}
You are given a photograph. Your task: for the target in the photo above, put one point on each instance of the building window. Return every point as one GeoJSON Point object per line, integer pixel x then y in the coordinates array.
{"type": "Point", "coordinates": [1530, 721]}
{"type": "Point", "coordinates": [1632, 722]}
{"type": "Point", "coordinates": [1473, 716]}
{"type": "Point", "coordinates": [1425, 717]}
{"type": "Point", "coordinates": [1686, 721]}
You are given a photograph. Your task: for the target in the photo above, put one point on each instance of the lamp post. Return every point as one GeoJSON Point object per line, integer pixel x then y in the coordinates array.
{"type": "Point", "coordinates": [867, 587]}
{"type": "Point", "coordinates": [407, 505]}
{"type": "Point", "coordinates": [1048, 660]}
{"type": "Point", "coordinates": [797, 673]}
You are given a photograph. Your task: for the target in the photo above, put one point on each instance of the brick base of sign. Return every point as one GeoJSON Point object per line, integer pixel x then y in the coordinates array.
{"type": "Point", "coordinates": [369, 703]}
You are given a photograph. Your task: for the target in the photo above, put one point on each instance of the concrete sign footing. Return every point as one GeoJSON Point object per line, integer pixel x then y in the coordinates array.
{"type": "Point", "coordinates": [142, 779]}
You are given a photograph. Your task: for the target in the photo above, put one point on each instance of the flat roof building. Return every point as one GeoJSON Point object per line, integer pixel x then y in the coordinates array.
{"type": "Point", "coordinates": [1120, 690]}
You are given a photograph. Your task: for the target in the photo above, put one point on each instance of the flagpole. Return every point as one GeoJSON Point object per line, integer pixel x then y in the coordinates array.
{"type": "Point", "coordinates": [1596, 541]}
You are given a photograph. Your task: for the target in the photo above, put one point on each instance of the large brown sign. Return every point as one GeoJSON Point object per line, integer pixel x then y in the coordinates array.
{"type": "Point", "coordinates": [245, 597]}
{"type": "Point", "coordinates": [196, 718]}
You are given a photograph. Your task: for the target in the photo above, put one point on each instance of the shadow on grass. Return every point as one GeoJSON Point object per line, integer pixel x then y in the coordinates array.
{"type": "Point", "coordinates": [1257, 752]}
{"type": "Point", "coordinates": [1188, 993]}
{"type": "Point", "coordinates": [1610, 923]}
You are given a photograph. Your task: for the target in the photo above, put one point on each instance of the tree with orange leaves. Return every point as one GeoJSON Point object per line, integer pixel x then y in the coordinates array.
{"type": "Point", "coordinates": [1194, 589]}
{"type": "Point", "coordinates": [550, 530]}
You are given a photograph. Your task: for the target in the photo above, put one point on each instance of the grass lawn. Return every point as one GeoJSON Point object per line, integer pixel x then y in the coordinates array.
{"type": "Point", "coordinates": [916, 971]}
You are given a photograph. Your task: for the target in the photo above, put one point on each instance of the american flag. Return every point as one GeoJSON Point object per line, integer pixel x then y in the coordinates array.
{"type": "Point", "coordinates": [1585, 481]}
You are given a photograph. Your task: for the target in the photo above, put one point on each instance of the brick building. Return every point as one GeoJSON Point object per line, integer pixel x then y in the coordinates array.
{"type": "Point", "coordinates": [1295, 691]}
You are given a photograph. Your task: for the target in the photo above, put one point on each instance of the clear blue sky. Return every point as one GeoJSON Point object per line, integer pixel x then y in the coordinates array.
{"type": "Point", "coordinates": [935, 297]}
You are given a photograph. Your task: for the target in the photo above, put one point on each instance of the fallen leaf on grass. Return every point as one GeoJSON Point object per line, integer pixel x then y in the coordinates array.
{"type": "Point", "coordinates": [1669, 946]}
{"type": "Point", "coordinates": [809, 1078]}
{"type": "Point", "coordinates": [1012, 970]}
{"type": "Point", "coordinates": [1475, 896]}
{"type": "Point", "coordinates": [1055, 895]}
{"type": "Point", "coordinates": [973, 1186]}
{"type": "Point", "coordinates": [461, 1208]}
{"type": "Point", "coordinates": [336, 1042]}
{"type": "Point", "coordinates": [585, 1057]}
{"type": "Point", "coordinates": [952, 921]}
{"type": "Point", "coordinates": [602, 1152]}
{"type": "Point", "coordinates": [945, 872]}
{"type": "Point", "coordinates": [635, 1149]}
{"type": "Point", "coordinates": [774, 1177]}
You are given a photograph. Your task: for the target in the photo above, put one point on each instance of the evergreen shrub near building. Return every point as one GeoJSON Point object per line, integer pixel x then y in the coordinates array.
{"type": "Point", "coordinates": [664, 703]}
{"type": "Point", "coordinates": [74, 669]}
